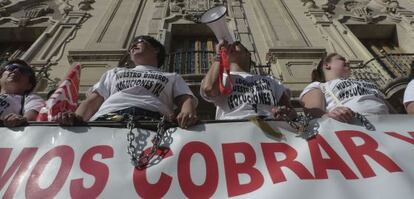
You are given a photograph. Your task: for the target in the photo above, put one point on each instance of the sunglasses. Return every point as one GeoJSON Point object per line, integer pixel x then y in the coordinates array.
{"type": "Point", "coordinates": [22, 69]}
{"type": "Point", "coordinates": [138, 42]}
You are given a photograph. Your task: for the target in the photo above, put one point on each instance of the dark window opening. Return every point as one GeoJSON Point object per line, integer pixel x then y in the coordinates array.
{"type": "Point", "coordinates": [191, 50]}
{"type": "Point", "coordinates": [14, 42]}
{"type": "Point", "coordinates": [382, 42]}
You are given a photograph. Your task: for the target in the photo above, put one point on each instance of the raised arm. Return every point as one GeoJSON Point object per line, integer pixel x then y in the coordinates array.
{"type": "Point", "coordinates": [209, 85]}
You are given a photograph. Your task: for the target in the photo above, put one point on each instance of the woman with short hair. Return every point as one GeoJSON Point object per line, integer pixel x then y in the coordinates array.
{"type": "Point", "coordinates": [17, 104]}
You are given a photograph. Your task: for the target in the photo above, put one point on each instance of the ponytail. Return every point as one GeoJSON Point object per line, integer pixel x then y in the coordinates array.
{"type": "Point", "coordinates": [317, 73]}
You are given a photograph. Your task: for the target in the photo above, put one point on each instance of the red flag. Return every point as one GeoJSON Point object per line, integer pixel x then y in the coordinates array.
{"type": "Point", "coordinates": [64, 98]}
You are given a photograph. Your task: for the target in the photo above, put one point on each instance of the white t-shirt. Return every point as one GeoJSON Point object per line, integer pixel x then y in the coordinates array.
{"type": "Point", "coordinates": [409, 93]}
{"type": "Point", "coordinates": [10, 103]}
{"type": "Point", "coordinates": [253, 95]}
{"type": "Point", "coordinates": [145, 87]}
{"type": "Point", "coordinates": [360, 96]}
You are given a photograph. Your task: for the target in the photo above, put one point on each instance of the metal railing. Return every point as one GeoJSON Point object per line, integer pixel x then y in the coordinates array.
{"type": "Point", "coordinates": [198, 62]}
{"type": "Point", "coordinates": [189, 62]}
{"type": "Point", "coordinates": [396, 65]}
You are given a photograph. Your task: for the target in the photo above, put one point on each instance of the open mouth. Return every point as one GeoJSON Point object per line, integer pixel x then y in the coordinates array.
{"type": "Point", "coordinates": [135, 49]}
{"type": "Point", "coordinates": [12, 76]}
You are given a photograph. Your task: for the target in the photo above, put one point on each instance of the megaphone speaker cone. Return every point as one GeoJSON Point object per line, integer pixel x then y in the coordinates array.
{"type": "Point", "coordinates": [215, 19]}
{"type": "Point", "coordinates": [213, 14]}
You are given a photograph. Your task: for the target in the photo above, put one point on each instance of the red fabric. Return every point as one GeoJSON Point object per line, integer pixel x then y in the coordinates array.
{"type": "Point", "coordinates": [224, 67]}
{"type": "Point", "coordinates": [64, 98]}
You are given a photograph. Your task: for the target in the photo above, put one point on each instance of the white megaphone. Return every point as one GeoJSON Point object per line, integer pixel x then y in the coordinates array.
{"type": "Point", "coordinates": [215, 18]}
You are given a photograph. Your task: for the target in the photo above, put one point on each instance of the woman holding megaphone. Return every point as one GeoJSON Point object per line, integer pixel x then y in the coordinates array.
{"type": "Point", "coordinates": [239, 94]}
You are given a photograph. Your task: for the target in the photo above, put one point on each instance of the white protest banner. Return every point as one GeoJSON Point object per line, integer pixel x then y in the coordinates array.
{"type": "Point", "coordinates": [212, 161]}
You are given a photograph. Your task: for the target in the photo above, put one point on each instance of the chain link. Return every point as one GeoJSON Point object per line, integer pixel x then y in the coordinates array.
{"type": "Point", "coordinates": [302, 121]}
{"type": "Point", "coordinates": [301, 124]}
{"type": "Point", "coordinates": [142, 159]}
{"type": "Point", "coordinates": [365, 122]}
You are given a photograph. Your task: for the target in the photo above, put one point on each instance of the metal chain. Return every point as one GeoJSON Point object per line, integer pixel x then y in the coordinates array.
{"type": "Point", "coordinates": [142, 159]}
{"type": "Point", "coordinates": [301, 124]}
{"type": "Point", "coordinates": [302, 121]}
{"type": "Point", "coordinates": [365, 122]}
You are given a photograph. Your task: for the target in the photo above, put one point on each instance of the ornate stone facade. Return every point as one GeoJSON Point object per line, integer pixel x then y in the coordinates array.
{"type": "Point", "coordinates": [286, 37]}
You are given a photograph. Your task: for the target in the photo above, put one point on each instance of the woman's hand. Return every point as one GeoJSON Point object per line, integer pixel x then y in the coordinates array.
{"type": "Point", "coordinates": [13, 120]}
{"type": "Point", "coordinates": [68, 118]}
{"type": "Point", "coordinates": [223, 44]}
{"type": "Point", "coordinates": [280, 112]}
{"type": "Point", "coordinates": [342, 114]}
{"type": "Point", "coordinates": [186, 119]}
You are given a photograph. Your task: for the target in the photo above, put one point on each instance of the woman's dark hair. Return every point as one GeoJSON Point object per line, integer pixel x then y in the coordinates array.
{"type": "Point", "coordinates": [317, 73]}
{"type": "Point", "coordinates": [249, 64]}
{"type": "Point", "coordinates": [154, 43]}
{"type": "Point", "coordinates": [31, 74]}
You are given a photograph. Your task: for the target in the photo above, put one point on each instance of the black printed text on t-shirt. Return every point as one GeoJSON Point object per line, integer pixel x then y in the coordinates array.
{"type": "Point", "coordinates": [350, 88]}
{"type": "Point", "coordinates": [4, 104]}
{"type": "Point", "coordinates": [251, 92]}
{"type": "Point", "coordinates": [151, 80]}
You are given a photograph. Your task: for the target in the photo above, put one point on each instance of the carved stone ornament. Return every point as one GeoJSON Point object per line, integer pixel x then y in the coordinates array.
{"type": "Point", "coordinates": [33, 12]}
{"type": "Point", "coordinates": [360, 11]}
{"type": "Point", "coordinates": [177, 6]}
{"type": "Point", "coordinates": [192, 9]}
{"type": "Point", "coordinates": [367, 11]}
{"type": "Point", "coordinates": [309, 4]}
{"type": "Point", "coordinates": [4, 3]}
{"type": "Point", "coordinates": [328, 6]}
{"type": "Point", "coordinates": [37, 11]}
{"type": "Point", "coordinates": [65, 7]}
{"type": "Point", "coordinates": [85, 4]}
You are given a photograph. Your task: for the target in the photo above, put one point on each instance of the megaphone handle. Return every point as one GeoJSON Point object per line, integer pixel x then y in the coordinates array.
{"type": "Point", "coordinates": [224, 66]}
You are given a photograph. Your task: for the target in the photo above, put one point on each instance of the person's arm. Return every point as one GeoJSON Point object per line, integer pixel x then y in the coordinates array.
{"type": "Point", "coordinates": [84, 112]}
{"type": "Point", "coordinates": [188, 115]}
{"type": "Point", "coordinates": [33, 104]}
{"type": "Point", "coordinates": [314, 104]}
{"type": "Point", "coordinates": [409, 107]}
{"type": "Point", "coordinates": [13, 119]}
{"type": "Point", "coordinates": [287, 109]}
{"type": "Point", "coordinates": [408, 99]}
{"type": "Point", "coordinates": [90, 106]}
{"type": "Point", "coordinates": [209, 85]}
{"type": "Point", "coordinates": [31, 115]}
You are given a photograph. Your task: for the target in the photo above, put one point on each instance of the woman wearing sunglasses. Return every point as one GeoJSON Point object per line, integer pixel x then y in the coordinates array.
{"type": "Point", "coordinates": [17, 105]}
{"type": "Point", "coordinates": [142, 90]}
